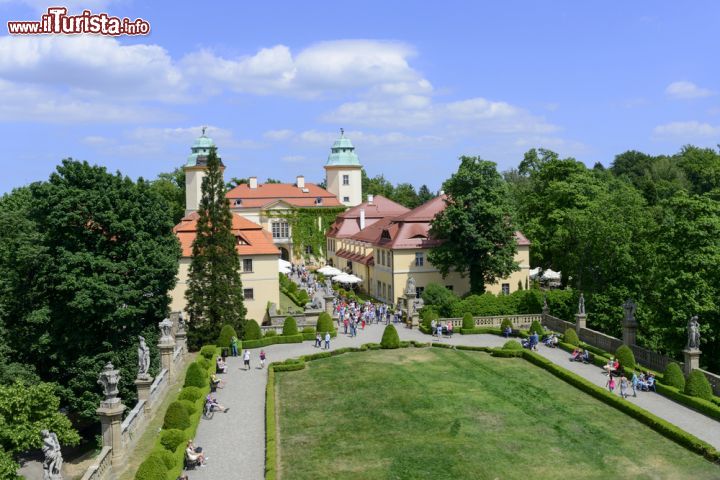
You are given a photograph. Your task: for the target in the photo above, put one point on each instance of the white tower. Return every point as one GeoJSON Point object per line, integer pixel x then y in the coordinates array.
{"type": "Point", "coordinates": [195, 169]}
{"type": "Point", "coordinates": [343, 172]}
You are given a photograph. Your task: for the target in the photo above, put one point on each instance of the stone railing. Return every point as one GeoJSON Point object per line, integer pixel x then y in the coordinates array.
{"type": "Point", "coordinates": [556, 324]}
{"type": "Point", "coordinates": [278, 328]}
{"type": "Point", "coordinates": [133, 425]}
{"type": "Point", "coordinates": [650, 359]}
{"type": "Point", "coordinates": [101, 470]}
{"type": "Point", "coordinates": [159, 386]}
{"type": "Point", "coordinates": [599, 340]}
{"type": "Point", "coordinates": [713, 379]}
{"type": "Point", "coordinates": [177, 354]}
{"type": "Point", "coordinates": [518, 321]}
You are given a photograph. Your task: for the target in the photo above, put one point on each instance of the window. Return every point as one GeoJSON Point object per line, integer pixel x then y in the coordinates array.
{"type": "Point", "coordinates": [346, 179]}
{"type": "Point", "coordinates": [378, 290]}
{"type": "Point", "coordinates": [280, 230]}
{"type": "Point", "coordinates": [384, 291]}
{"type": "Point", "coordinates": [248, 293]}
{"type": "Point", "coordinates": [247, 265]}
{"type": "Point", "coordinates": [418, 291]}
{"type": "Point", "coordinates": [382, 257]}
{"type": "Point", "coordinates": [346, 199]}
{"type": "Point", "coordinates": [419, 259]}
{"type": "Point", "coordinates": [506, 289]}
{"type": "Point", "coordinates": [318, 201]}
{"type": "Point", "coordinates": [308, 249]}
{"type": "Point", "coordinates": [449, 287]}
{"type": "Point", "coordinates": [240, 240]}
{"type": "Point", "coordinates": [349, 266]}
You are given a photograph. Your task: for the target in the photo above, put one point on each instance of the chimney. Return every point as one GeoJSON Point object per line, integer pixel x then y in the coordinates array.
{"type": "Point", "coordinates": [362, 219]}
{"type": "Point", "coordinates": [370, 198]}
{"type": "Point", "coordinates": [252, 182]}
{"type": "Point", "coordinates": [300, 181]}
{"type": "Point", "coordinates": [442, 192]}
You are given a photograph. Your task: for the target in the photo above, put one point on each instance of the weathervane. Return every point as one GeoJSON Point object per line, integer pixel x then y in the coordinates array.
{"type": "Point", "coordinates": [203, 130]}
{"type": "Point", "coordinates": [342, 132]}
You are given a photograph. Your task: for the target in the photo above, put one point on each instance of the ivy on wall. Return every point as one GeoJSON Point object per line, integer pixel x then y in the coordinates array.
{"type": "Point", "coordinates": [307, 227]}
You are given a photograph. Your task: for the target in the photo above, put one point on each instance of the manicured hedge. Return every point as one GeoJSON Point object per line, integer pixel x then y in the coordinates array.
{"type": "Point", "coordinates": [673, 376]}
{"type": "Point", "coordinates": [468, 322]}
{"type": "Point", "coordinates": [512, 345]}
{"type": "Point", "coordinates": [196, 376]}
{"type": "Point", "coordinates": [659, 425]}
{"type": "Point", "coordinates": [208, 351]}
{"type": "Point", "coordinates": [504, 353]}
{"type": "Point", "coordinates": [190, 393]}
{"type": "Point", "coordinates": [176, 416]}
{"type": "Point", "coordinates": [390, 338]}
{"type": "Point", "coordinates": [571, 337]}
{"type": "Point", "coordinates": [506, 323]}
{"type": "Point", "coordinates": [324, 323]}
{"type": "Point", "coordinates": [290, 327]}
{"type": "Point", "coordinates": [252, 331]}
{"type": "Point", "coordinates": [153, 468]}
{"type": "Point", "coordinates": [278, 339]}
{"type": "Point", "coordinates": [535, 327]}
{"type": "Point", "coordinates": [703, 406]}
{"type": "Point", "coordinates": [697, 385]}
{"type": "Point", "coordinates": [626, 357]}
{"type": "Point", "coordinates": [172, 438]}
{"type": "Point", "coordinates": [225, 337]}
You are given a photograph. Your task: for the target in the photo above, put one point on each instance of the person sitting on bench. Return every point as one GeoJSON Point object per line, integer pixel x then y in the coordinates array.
{"type": "Point", "coordinates": [507, 332]}
{"type": "Point", "coordinates": [212, 403]}
{"type": "Point", "coordinates": [586, 356]}
{"type": "Point", "coordinates": [220, 366]}
{"type": "Point", "coordinates": [576, 355]}
{"type": "Point", "coordinates": [215, 382]}
{"type": "Point", "coordinates": [195, 454]}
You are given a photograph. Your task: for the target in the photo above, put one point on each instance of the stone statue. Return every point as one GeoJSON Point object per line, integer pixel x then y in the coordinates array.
{"type": "Point", "coordinates": [630, 309]}
{"type": "Point", "coordinates": [52, 465]}
{"type": "Point", "coordinates": [693, 330]}
{"type": "Point", "coordinates": [109, 379]}
{"type": "Point", "coordinates": [166, 331]}
{"type": "Point", "coordinates": [545, 307]}
{"type": "Point", "coordinates": [581, 305]}
{"type": "Point", "coordinates": [143, 360]}
{"type": "Point", "coordinates": [181, 323]}
{"type": "Point", "coordinates": [410, 286]}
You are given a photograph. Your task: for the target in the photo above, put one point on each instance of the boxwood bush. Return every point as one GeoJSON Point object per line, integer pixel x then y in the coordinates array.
{"type": "Point", "coordinates": [697, 385]}
{"type": "Point", "coordinates": [512, 345]}
{"type": "Point", "coordinates": [270, 333]}
{"type": "Point", "coordinates": [203, 362]}
{"type": "Point", "coordinates": [324, 323]}
{"type": "Point", "coordinates": [625, 356]}
{"type": "Point", "coordinates": [290, 326]}
{"type": "Point", "coordinates": [189, 406]}
{"type": "Point", "coordinates": [225, 337]}
{"type": "Point", "coordinates": [468, 321]}
{"type": "Point", "coordinates": [196, 376]}
{"type": "Point", "coordinates": [506, 323]}
{"type": "Point", "coordinates": [176, 416]}
{"type": "Point", "coordinates": [535, 327]}
{"type": "Point", "coordinates": [153, 468]}
{"type": "Point", "coordinates": [674, 377]}
{"type": "Point", "coordinates": [208, 351]}
{"type": "Point", "coordinates": [252, 331]}
{"type": "Point", "coordinates": [571, 337]}
{"type": "Point", "coordinates": [172, 438]}
{"type": "Point", "coordinates": [190, 393]}
{"type": "Point", "coordinates": [167, 457]}
{"type": "Point", "coordinates": [390, 338]}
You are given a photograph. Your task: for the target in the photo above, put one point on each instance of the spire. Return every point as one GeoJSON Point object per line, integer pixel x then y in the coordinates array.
{"type": "Point", "coordinates": [200, 149]}
{"type": "Point", "coordinates": [342, 153]}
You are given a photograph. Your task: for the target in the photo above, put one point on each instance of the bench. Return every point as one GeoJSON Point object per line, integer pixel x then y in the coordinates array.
{"type": "Point", "coordinates": [190, 464]}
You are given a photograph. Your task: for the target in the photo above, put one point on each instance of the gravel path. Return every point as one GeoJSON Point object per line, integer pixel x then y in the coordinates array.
{"type": "Point", "coordinates": [235, 441]}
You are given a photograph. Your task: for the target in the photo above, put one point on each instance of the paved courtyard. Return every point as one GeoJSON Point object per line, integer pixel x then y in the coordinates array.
{"type": "Point", "coordinates": [235, 441]}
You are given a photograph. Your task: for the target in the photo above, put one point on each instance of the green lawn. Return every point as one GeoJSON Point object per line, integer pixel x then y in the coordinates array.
{"type": "Point", "coordinates": [443, 414]}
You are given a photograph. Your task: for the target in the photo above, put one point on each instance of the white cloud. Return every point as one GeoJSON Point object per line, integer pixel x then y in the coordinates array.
{"type": "Point", "coordinates": [90, 65]}
{"type": "Point", "coordinates": [325, 139]}
{"type": "Point", "coordinates": [687, 90]}
{"type": "Point", "coordinates": [686, 130]}
{"type": "Point", "coordinates": [321, 68]}
{"type": "Point", "coordinates": [223, 138]}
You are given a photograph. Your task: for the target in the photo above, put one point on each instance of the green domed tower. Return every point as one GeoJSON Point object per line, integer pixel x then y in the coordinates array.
{"type": "Point", "coordinates": [195, 168]}
{"type": "Point", "coordinates": [343, 172]}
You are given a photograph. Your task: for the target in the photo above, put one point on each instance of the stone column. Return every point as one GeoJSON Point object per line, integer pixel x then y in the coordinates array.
{"type": "Point", "coordinates": [692, 360]}
{"type": "Point", "coordinates": [166, 345]}
{"type": "Point", "coordinates": [329, 304]}
{"type": "Point", "coordinates": [580, 322]}
{"type": "Point", "coordinates": [143, 390]}
{"type": "Point", "coordinates": [181, 340]}
{"type": "Point", "coordinates": [629, 323]}
{"type": "Point", "coordinates": [111, 413]}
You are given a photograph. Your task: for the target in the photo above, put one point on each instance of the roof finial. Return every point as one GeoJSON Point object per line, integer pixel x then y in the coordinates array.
{"type": "Point", "coordinates": [203, 130]}
{"type": "Point", "coordinates": [342, 132]}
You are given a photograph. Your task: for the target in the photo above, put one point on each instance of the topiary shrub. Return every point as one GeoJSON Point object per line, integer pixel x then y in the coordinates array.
{"type": "Point", "coordinates": [176, 416]}
{"type": "Point", "coordinates": [196, 376]}
{"type": "Point", "coordinates": [252, 331]}
{"type": "Point", "coordinates": [203, 362]}
{"type": "Point", "coordinates": [535, 327]}
{"type": "Point", "coordinates": [674, 377]}
{"type": "Point", "coordinates": [208, 351]}
{"type": "Point", "coordinates": [270, 333]}
{"type": "Point", "coordinates": [303, 298]}
{"type": "Point", "coordinates": [571, 337]}
{"type": "Point", "coordinates": [506, 323]}
{"type": "Point", "coordinates": [512, 345]}
{"type": "Point", "coordinates": [697, 385]}
{"type": "Point", "coordinates": [225, 337]}
{"type": "Point", "coordinates": [170, 439]}
{"type": "Point", "coordinates": [153, 468]}
{"type": "Point", "coordinates": [468, 321]}
{"type": "Point", "coordinates": [625, 356]}
{"type": "Point", "coordinates": [190, 393]}
{"type": "Point", "coordinates": [290, 326]}
{"type": "Point", "coordinates": [390, 338]}
{"type": "Point", "coordinates": [189, 406]}
{"type": "Point", "coordinates": [167, 457]}
{"type": "Point", "coordinates": [324, 323]}
{"type": "Point", "coordinates": [308, 330]}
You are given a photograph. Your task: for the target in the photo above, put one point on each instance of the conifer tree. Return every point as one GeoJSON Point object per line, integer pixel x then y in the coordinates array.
{"type": "Point", "coordinates": [215, 293]}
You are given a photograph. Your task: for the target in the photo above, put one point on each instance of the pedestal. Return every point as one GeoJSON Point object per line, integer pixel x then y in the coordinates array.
{"type": "Point", "coordinates": [181, 340]}
{"type": "Point", "coordinates": [415, 320]}
{"type": "Point", "coordinates": [580, 322]}
{"type": "Point", "coordinates": [692, 360]}
{"type": "Point", "coordinates": [329, 304]}
{"type": "Point", "coordinates": [111, 428]}
{"type": "Point", "coordinates": [629, 334]}
{"type": "Point", "coordinates": [166, 356]}
{"type": "Point", "coordinates": [143, 391]}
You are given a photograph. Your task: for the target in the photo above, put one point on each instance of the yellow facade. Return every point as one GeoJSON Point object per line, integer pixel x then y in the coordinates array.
{"type": "Point", "coordinates": [263, 280]}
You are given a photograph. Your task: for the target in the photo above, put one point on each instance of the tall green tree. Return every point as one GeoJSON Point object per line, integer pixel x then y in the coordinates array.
{"type": "Point", "coordinates": [404, 194]}
{"type": "Point", "coordinates": [215, 293]}
{"type": "Point", "coordinates": [475, 228]}
{"type": "Point", "coordinates": [424, 194]}
{"type": "Point", "coordinates": [171, 186]}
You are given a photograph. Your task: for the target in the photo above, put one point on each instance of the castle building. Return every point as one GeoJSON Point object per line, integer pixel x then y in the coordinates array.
{"type": "Point", "coordinates": [343, 172]}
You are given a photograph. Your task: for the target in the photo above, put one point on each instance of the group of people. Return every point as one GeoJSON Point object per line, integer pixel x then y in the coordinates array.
{"type": "Point", "coordinates": [580, 355]}
{"type": "Point", "coordinates": [319, 341]}
{"type": "Point", "coordinates": [531, 343]}
{"type": "Point", "coordinates": [439, 329]}
{"type": "Point", "coordinates": [353, 315]}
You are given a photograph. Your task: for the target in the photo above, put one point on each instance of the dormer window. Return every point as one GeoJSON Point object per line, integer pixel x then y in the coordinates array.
{"type": "Point", "coordinates": [385, 235]}
{"type": "Point", "coordinates": [240, 240]}
{"type": "Point", "coordinates": [318, 201]}
{"type": "Point", "coordinates": [237, 202]}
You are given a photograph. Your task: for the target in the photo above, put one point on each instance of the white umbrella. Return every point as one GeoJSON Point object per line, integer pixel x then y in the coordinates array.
{"type": "Point", "coordinates": [534, 273]}
{"type": "Point", "coordinates": [285, 270]}
{"type": "Point", "coordinates": [284, 263]}
{"type": "Point", "coordinates": [551, 275]}
{"type": "Point", "coordinates": [329, 271]}
{"type": "Point", "coordinates": [346, 278]}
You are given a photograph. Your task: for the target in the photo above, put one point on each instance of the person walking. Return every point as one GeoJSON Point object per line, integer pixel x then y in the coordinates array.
{"type": "Point", "coordinates": [611, 384]}
{"type": "Point", "coordinates": [262, 358]}
{"type": "Point", "coordinates": [246, 359]}
{"type": "Point", "coordinates": [634, 384]}
{"type": "Point", "coordinates": [318, 341]}
{"type": "Point", "coordinates": [234, 346]}
{"type": "Point", "coordinates": [327, 340]}
{"type": "Point", "coordinates": [623, 387]}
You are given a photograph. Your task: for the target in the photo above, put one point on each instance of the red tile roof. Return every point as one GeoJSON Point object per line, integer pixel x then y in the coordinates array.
{"type": "Point", "coordinates": [254, 240]}
{"type": "Point", "coordinates": [347, 223]}
{"type": "Point", "coordinates": [268, 193]}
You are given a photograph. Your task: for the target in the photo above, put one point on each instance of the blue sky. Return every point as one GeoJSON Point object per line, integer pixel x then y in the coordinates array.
{"type": "Point", "coordinates": [414, 85]}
